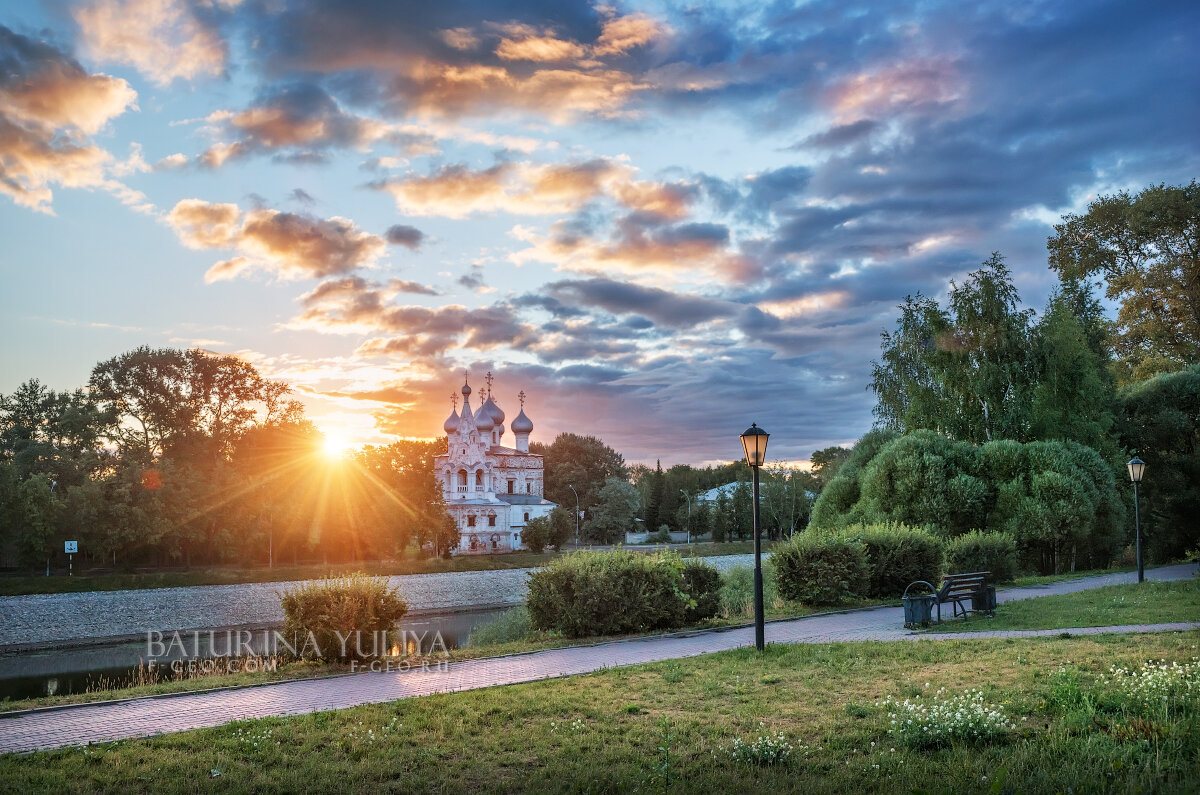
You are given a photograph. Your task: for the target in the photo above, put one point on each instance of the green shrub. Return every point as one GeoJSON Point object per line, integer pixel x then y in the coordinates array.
{"type": "Point", "coordinates": [608, 593]}
{"type": "Point", "coordinates": [702, 583]}
{"type": "Point", "coordinates": [979, 551]}
{"type": "Point", "coordinates": [536, 535]}
{"type": "Point", "coordinates": [896, 556]}
{"type": "Point", "coordinates": [737, 590]}
{"type": "Point", "coordinates": [820, 569]}
{"type": "Point", "coordinates": [509, 627]}
{"type": "Point", "coordinates": [660, 536]}
{"type": "Point", "coordinates": [332, 610]}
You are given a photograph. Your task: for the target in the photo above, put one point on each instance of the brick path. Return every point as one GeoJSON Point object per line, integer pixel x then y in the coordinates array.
{"type": "Point", "coordinates": [78, 725]}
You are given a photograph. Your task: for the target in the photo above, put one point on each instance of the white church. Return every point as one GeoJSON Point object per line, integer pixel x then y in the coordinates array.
{"type": "Point", "coordinates": [491, 491]}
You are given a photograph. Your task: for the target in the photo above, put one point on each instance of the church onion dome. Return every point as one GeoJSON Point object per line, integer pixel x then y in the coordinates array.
{"type": "Point", "coordinates": [451, 424]}
{"type": "Point", "coordinates": [497, 414]}
{"type": "Point", "coordinates": [466, 390]}
{"type": "Point", "coordinates": [483, 419]}
{"type": "Point", "coordinates": [522, 424]}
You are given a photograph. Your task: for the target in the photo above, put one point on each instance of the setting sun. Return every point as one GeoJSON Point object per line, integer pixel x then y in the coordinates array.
{"type": "Point", "coordinates": [336, 445]}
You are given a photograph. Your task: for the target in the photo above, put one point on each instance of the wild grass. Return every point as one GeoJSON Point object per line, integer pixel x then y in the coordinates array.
{"type": "Point", "coordinates": [816, 714]}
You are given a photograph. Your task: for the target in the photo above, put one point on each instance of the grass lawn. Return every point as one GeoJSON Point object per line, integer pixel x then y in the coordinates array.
{"type": "Point", "coordinates": [667, 727]}
{"type": "Point", "coordinates": [13, 585]}
{"type": "Point", "coordinates": [1112, 605]}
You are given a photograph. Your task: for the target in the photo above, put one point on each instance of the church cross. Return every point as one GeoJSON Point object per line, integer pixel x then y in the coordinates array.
{"type": "Point", "coordinates": [521, 397]}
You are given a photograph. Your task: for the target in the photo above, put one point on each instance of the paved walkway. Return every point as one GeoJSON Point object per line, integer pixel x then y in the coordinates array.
{"type": "Point", "coordinates": [78, 725]}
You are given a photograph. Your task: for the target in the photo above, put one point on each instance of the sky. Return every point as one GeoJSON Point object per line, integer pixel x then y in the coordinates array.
{"type": "Point", "coordinates": [660, 221]}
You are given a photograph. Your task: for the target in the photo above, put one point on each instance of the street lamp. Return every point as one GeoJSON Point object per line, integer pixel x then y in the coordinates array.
{"type": "Point", "coordinates": [689, 523]}
{"type": "Point", "coordinates": [1136, 467]}
{"type": "Point", "coordinates": [754, 443]}
{"type": "Point", "coordinates": [572, 488]}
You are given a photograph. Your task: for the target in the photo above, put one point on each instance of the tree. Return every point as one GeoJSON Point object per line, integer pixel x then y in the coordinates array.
{"type": "Point", "coordinates": [784, 502]}
{"type": "Point", "coordinates": [989, 380]}
{"type": "Point", "coordinates": [1147, 248]}
{"type": "Point", "coordinates": [562, 527]}
{"type": "Point", "coordinates": [536, 535]}
{"type": "Point", "coordinates": [613, 514]}
{"type": "Point", "coordinates": [1160, 422]}
{"type": "Point", "coordinates": [1073, 399]}
{"type": "Point", "coordinates": [826, 463]}
{"type": "Point", "coordinates": [654, 498]}
{"type": "Point", "coordinates": [584, 462]}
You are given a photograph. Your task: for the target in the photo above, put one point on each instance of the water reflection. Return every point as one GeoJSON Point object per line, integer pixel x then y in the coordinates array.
{"type": "Point", "coordinates": [66, 671]}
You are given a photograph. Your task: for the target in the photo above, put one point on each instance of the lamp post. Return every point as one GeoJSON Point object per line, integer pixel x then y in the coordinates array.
{"type": "Point", "coordinates": [754, 443]}
{"type": "Point", "coordinates": [1136, 467]}
{"type": "Point", "coordinates": [572, 488]}
{"type": "Point", "coordinates": [689, 523]}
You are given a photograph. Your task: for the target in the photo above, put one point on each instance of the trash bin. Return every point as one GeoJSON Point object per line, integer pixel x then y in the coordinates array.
{"type": "Point", "coordinates": [918, 610]}
{"type": "Point", "coordinates": [984, 600]}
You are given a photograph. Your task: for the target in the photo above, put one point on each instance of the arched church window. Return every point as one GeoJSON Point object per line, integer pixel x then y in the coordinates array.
{"type": "Point", "coordinates": [462, 477]}
{"type": "Point", "coordinates": [527, 517]}
{"type": "Point", "coordinates": [478, 478]}
{"type": "Point", "coordinates": [491, 521]}
{"type": "Point", "coordinates": [470, 521]}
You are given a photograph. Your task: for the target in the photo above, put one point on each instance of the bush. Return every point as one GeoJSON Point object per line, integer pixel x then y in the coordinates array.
{"type": "Point", "coordinates": [702, 583]}
{"type": "Point", "coordinates": [896, 556]}
{"type": "Point", "coordinates": [737, 590]}
{"type": "Point", "coordinates": [978, 551]}
{"type": "Point", "coordinates": [660, 536]}
{"type": "Point", "coordinates": [536, 535]}
{"type": "Point", "coordinates": [820, 569]}
{"type": "Point", "coordinates": [509, 627]}
{"type": "Point", "coordinates": [608, 593]}
{"type": "Point", "coordinates": [351, 604]}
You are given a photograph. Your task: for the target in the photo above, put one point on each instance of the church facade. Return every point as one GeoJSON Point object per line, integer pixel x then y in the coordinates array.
{"type": "Point", "coordinates": [491, 491]}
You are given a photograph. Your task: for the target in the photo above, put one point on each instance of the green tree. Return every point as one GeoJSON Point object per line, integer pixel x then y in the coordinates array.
{"type": "Point", "coordinates": [654, 497]}
{"type": "Point", "coordinates": [1160, 422]}
{"type": "Point", "coordinates": [1147, 248]}
{"type": "Point", "coordinates": [562, 527]}
{"type": "Point", "coordinates": [584, 462]}
{"type": "Point", "coordinates": [966, 372]}
{"type": "Point", "coordinates": [826, 463]}
{"type": "Point", "coordinates": [536, 535]}
{"type": "Point", "coordinates": [613, 514]}
{"type": "Point", "coordinates": [1073, 399]}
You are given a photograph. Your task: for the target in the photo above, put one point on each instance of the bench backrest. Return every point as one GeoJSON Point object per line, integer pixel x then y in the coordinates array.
{"type": "Point", "coordinates": [959, 586]}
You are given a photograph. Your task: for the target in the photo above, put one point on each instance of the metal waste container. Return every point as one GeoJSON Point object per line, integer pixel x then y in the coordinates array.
{"type": "Point", "coordinates": [918, 608]}
{"type": "Point", "coordinates": [984, 600]}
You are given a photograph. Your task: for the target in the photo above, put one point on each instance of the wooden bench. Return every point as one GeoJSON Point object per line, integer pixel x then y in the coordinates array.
{"type": "Point", "coordinates": [960, 589]}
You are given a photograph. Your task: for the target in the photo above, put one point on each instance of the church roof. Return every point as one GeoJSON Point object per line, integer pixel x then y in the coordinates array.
{"type": "Point", "coordinates": [524, 499]}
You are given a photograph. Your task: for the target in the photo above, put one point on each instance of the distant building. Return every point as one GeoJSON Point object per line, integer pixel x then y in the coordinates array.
{"type": "Point", "coordinates": [711, 496]}
{"type": "Point", "coordinates": [491, 491]}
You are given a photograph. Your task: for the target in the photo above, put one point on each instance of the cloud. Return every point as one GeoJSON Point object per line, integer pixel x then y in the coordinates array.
{"type": "Point", "coordinates": [49, 105]}
{"type": "Point", "coordinates": [640, 244]}
{"type": "Point", "coordinates": [287, 245]}
{"type": "Point", "coordinates": [456, 191]}
{"type": "Point", "coordinates": [404, 235]}
{"type": "Point", "coordinates": [663, 306]}
{"type": "Point", "coordinates": [162, 39]}
{"type": "Point", "coordinates": [449, 61]}
{"type": "Point", "coordinates": [353, 305]}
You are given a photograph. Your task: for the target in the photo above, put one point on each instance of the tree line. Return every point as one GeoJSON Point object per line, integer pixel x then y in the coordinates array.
{"type": "Point", "coordinates": [172, 457]}
{"type": "Point", "coordinates": [1038, 400]}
